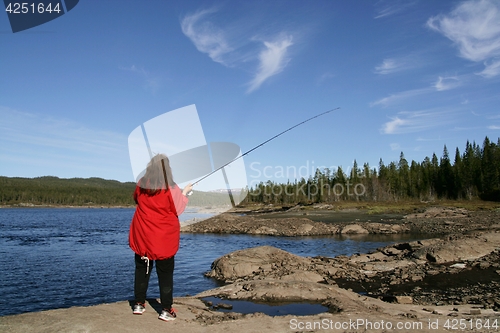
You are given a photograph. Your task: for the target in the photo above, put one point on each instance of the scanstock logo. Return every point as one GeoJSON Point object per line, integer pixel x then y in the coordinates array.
{"type": "Point", "coordinates": [216, 168]}
{"type": "Point", "coordinates": [24, 15]}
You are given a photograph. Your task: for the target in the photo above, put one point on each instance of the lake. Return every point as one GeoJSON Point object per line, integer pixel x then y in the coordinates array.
{"type": "Point", "coordinates": [62, 257]}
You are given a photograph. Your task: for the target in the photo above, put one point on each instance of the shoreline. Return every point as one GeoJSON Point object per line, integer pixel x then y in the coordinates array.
{"type": "Point", "coordinates": [395, 279]}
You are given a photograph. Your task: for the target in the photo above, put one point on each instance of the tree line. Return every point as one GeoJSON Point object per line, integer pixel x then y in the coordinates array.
{"type": "Point", "coordinates": [473, 174]}
{"type": "Point", "coordinates": [51, 190]}
{"type": "Point", "coordinates": [54, 191]}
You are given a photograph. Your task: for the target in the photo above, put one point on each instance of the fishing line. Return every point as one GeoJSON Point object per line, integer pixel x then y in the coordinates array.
{"type": "Point", "coordinates": [261, 144]}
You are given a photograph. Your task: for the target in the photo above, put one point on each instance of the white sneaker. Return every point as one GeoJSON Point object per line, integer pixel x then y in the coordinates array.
{"type": "Point", "coordinates": [139, 309]}
{"type": "Point", "coordinates": [167, 315]}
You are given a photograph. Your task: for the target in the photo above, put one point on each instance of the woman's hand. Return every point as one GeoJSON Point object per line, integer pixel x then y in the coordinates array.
{"type": "Point", "coordinates": [187, 189]}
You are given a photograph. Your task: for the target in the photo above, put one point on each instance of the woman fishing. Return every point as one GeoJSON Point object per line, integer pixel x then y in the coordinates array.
{"type": "Point", "coordinates": [155, 232]}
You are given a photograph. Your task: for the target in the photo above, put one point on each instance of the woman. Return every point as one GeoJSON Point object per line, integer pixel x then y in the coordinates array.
{"type": "Point", "coordinates": [155, 232]}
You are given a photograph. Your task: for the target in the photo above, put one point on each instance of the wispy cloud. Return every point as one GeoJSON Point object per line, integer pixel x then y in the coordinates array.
{"type": "Point", "coordinates": [446, 83]}
{"type": "Point", "coordinates": [151, 83]}
{"type": "Point", "coordinates": [441, 84]}
{"type": "Point", "coordinates": [474, 27]}
{"type": "Point", "coordinates": [416, 121]}
{"type": "Point", "coordinates": [56, 135]}
{"type": "Point", "coordinates": [397, 64]}
{"type": "Point", "coordinates": [388, 66]}
{"type": "Point", "coordinates": [494, 127]}
{"type": "Point", "coordinates": [272, 60]}
{"type": "Point", "coordinates": [398, 97]}
{"type": "Point", "coordinates": [226, 47]}
{"type": "Point", "coordinates": [420, 139]}
{"type": "Point", "coordinates": [391, 7]}
{"type": "Point", "coordinates": [324, 77]}
{"type": "Point", "coordinates": [395, 146]}
{"type": "Point", "coordinates": [491, 69]}
{"type": "Point", "coordinates": [206, 36]}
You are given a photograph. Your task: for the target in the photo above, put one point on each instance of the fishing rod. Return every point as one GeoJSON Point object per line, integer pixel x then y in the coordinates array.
{"type": "Point", "coordinates": [261, 144]}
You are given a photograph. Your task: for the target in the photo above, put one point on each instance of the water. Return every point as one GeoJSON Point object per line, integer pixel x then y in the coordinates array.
{"type": "Point", "coordinates": [58, 258]}
{"type": "Point", "coordinates": [246, 307]}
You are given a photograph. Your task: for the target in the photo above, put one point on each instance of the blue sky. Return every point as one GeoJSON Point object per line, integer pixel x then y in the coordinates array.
{"type": "Point", "coordinates": [409, 76]}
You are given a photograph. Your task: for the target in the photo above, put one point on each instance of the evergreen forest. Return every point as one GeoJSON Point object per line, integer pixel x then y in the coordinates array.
{"type": "Point", "coordinates": [471, 174]}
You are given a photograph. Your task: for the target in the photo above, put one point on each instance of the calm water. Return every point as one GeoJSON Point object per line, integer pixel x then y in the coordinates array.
{"type": "Point", "coordinates": [58, 258]}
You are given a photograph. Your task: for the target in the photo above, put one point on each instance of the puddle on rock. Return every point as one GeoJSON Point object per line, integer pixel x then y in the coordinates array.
{"type": "Point", "coordinates": [270, 309]}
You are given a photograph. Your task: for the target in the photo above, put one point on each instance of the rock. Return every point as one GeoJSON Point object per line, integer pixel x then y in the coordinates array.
{"type": "Point", "coordinates": [377, 256]}
{"type": "Point", "coordinates": [463, 248]}
{"type": "Point", "coordinates": [360, 258]}
{"type": "Point", "coordinates": [440, 212]}
{"type": "Point", "coordinates": [433, 272]}
{"type": "Point", "coordinates": [303, 276]}
{"type": "Point", "coordinates": [223, 306]}
{"type": "Point", "coordinates": [332, 270]}
{"type": "Point", "coordinates": [404, 299]}
{"type": "Point", "coordinates": [265, 231]}
{"type": "Point", "coordinates": [416, 278]}
{"type": "Point", "coordinates": [475, 312]}
{"type": "Point", "coordinates": [458, 266]}
{"type": "Point", "coordinates": [337, 299]}
{"type": "Point", "coordinates": [243, 263]}
{"type": "Point", "coordinates": [388, 266]}
{"type": "Point", "coordinates": [354, 229]}
{"type": "Point", "coordinates": [391, 251]}
{"type": "Point", "coordinates": [305, 228]}
{"type": "Point", "coordinates": [235, 224]}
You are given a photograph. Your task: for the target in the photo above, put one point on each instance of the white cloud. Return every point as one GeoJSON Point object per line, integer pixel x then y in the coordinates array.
{"type": "Point", "coordinates": [206, 37]}
{"type": "Point", "coordinates": [398, 97]}
{"type": "Point", "coordinates": [442, 84]}
{"type": "Point", "coordinates": [388, 66]}
{"type": "Point", "coordinates": [395, 146]}
{"type": "Point", "coordinates": [393, 126]}
{"type": "Point", "coordinates": [398, 64]}
{"type": "Point", "coordinates": [232, 47]}
{"type": "Point", "coordinates": [474, 26]}
{"type": "Point", "coordinates": [491, 69]}
{"type": "Point", "coordinates": [494, 127]}
{"type": "Point", "coordinates": [446, 83]}
{"type": "Point", "coordinates": [324, 77]}
{"type": "Point", "coordinates": [272, 60]}
{"type": "Point", "coordinates": [388, 8]}
{"type": "Point", "coordinates": [416, 121]}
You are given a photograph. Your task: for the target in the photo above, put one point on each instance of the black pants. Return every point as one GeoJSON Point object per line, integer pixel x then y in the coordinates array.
{"type": "Point", "coordinates": [165, 272]}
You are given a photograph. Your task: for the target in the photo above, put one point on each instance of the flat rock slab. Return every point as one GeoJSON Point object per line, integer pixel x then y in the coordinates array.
{"type": "Point", "coordinates": [461, 249]}
{"type": "Point", "coordinates": [279, 291]}
{"type": "Point", "coordinates": [194, 317]}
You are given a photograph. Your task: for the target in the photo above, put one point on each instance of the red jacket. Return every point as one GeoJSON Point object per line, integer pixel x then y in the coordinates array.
{"type": "Point", "coordinates": [155, 229]}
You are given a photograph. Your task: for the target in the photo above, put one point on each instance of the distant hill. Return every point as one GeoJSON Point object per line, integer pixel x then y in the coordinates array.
{"type": "Point", "coordinates": [54, 191]}
{"type": "Point", "coordinates": [59, 191]}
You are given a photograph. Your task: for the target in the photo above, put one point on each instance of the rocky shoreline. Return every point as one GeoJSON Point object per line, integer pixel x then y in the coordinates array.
{"type": "Point", "coordinates": [436, 220]}
{"type": "Point", "coordinates": [460, 267]}
{"type": "Point", "coordinates": [448, 281]}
